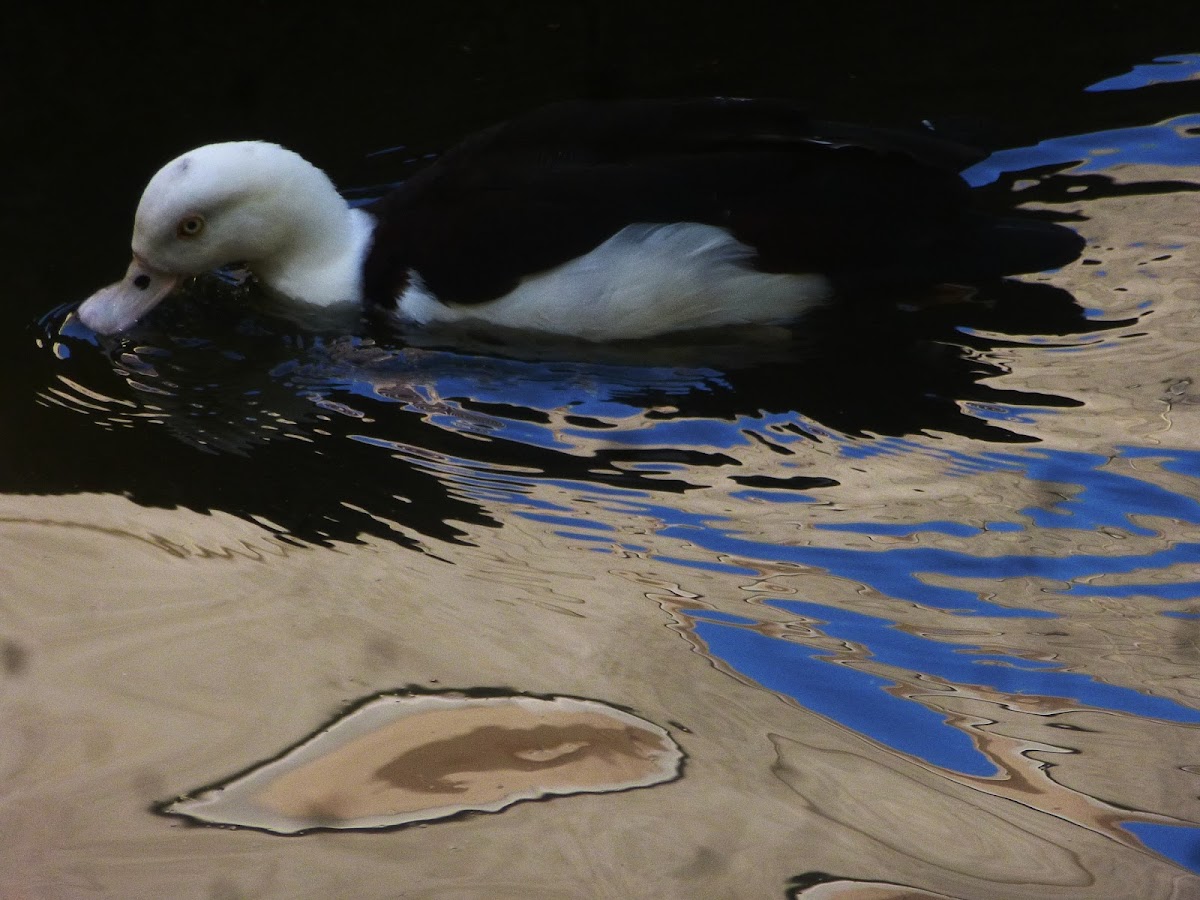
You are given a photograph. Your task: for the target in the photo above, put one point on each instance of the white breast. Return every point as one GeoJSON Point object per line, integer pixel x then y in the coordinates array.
{"type": "Point", "coordinates": [645, 280]}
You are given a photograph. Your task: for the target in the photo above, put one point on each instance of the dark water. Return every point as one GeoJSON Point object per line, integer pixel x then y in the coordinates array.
{"type": "Point", "coordinates": [965, 532]}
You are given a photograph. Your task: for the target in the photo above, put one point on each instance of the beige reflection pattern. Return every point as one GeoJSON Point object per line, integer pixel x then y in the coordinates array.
{"type": "Point", "coordinates": [402, 759]}
{"type": "Point", "coordinates": [149, 650]}
{"type": "Point", "coordinates": [839, 889]}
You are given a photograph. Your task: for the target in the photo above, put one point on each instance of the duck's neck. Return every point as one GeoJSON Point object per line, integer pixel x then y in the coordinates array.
{"type": "Point", "coordinates": [320, 262]}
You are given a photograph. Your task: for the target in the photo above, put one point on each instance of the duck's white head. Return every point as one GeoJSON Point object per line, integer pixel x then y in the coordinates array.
{"type": "Point", "coordinates": [249, 202]}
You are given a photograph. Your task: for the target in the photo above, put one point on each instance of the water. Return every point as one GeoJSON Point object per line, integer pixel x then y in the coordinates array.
{"type": "Point", "coordinates": [916, 597]}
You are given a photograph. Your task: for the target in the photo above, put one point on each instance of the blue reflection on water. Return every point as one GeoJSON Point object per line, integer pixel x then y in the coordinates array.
{"type": "Point", "coordinates": [1102, 499]}
{"type": "Point", "coordinates": [1164, 70]}
{"type": "Point", "coordinates": [963, 664]}
{"type": "Point", "coordinates": [605, 392]}
{"type": "Point", "coordinates": [896, 571]}
{"type": "Point", "coordinates": [1107, 499]}
{"type": "Point", "coordinates": [1185, 462]}
{"type": "Point", "coordinates": [1178, 843]}
{"type": "Point", "coordinates": [857, 699]}
{"type": "Point", "coordinates": [593, 389]}
{"type": "Point", "coordinates": [1166, 144]}
{"type": "Point", "coordinates": [1186, 590]}
{"type": "Point", "coordinates": [1089, 496]}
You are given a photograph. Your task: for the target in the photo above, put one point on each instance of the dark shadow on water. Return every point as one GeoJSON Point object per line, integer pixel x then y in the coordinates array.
{"type": "Point", "coordinates": [350, 429]}
{"type": "Point", "coordinates": [212, 405]}
{"type": "Point", "coordinates": [1051, 185]}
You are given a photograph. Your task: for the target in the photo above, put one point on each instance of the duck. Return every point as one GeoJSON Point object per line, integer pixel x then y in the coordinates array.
{"type": "Point", "coordinates": [591, 220]}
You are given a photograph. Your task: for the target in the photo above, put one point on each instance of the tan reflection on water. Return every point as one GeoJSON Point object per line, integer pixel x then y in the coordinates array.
{"type": "Point", "coordinates": [147, 651]}
{"type": "Point", "coordinates": [867, 890]}
{"type": "Point", "coordinates": [404, 759]}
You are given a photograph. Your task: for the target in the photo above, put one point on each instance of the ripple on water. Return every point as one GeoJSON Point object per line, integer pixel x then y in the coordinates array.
{"type": "Point", "coordinates": [968, 535]}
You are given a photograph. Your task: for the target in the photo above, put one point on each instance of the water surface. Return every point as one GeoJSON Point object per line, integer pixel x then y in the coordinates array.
{"type": "Point", "coordinates": [916, 595]}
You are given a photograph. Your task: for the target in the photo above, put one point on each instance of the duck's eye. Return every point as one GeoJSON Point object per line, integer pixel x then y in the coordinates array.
{"type": "Point", "coordinates": [189, 227]}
